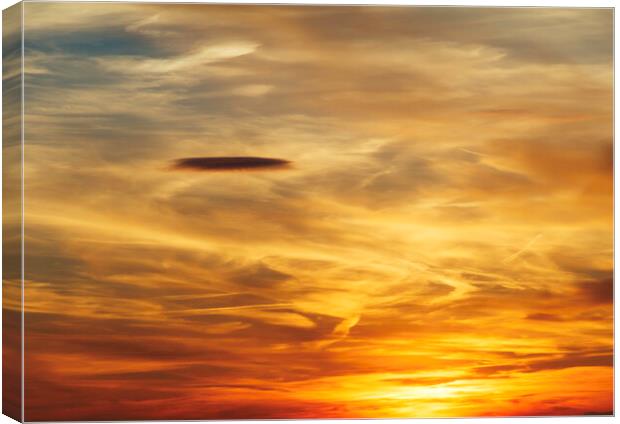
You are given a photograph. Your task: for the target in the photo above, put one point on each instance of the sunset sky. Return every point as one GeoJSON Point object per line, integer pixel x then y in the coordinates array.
{"type": "Point", "coordinates": [317, 212]}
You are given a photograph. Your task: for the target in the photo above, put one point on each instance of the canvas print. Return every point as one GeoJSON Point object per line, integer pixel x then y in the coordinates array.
{"type": "Point", "coordinates": [280, 211]}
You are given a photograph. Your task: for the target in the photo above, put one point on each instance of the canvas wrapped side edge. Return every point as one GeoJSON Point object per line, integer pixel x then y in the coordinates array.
{"type": "Point", "coordinates": [12, 217]}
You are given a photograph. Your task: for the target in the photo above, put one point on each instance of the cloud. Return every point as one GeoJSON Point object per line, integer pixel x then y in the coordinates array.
{"type": "Point", "coordinates": [599, 291]}
{"type": "Point", "coordinates": [541, 316]}
{"type": "Point", "coordinates": [181, 63]}
{"type": "Point", "coordinates": [259, 275]}
{"type": "Point", "coordinates": [569, 360]}
{"type": "Point", "coordinates": [230, 163]}
{"type": "Point", "coordinates": [610, 412]}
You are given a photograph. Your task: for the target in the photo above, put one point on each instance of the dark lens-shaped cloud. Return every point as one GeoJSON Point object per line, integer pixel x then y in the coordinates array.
{"type": "Point", "coordinates": [230, 163]}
